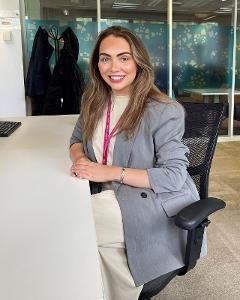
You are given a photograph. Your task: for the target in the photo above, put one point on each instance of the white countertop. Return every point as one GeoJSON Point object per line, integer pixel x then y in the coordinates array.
{"type": "Point", "coordinates": [47, 238]}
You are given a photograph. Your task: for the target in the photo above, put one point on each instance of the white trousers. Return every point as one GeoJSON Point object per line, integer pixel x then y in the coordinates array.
{"type": "Point", "coordinates": [117, 279]}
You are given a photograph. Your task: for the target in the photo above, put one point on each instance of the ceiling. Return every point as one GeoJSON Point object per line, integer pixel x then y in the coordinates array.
{"type": "Point", "coordinates": [143, 5]}
{"type": "Point", "coordinates": [182, 9]}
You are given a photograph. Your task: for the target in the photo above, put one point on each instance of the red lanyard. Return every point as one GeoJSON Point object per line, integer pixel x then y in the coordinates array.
{"type": "Point", "coordinates": [107, 135]}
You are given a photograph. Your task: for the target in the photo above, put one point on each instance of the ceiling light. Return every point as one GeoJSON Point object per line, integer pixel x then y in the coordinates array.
{"type": "Point", "coordinates": [125, 5]}
{"type": "Point", "coordinates": [225, 8]}
{"type": "Point", "coordinates": [222, 12]}
{"type": "Point", "coordinates": [208, 18]}
{"type": "Point", "coordinates": [154, 2]}
{"type": "Point", "coordinates": [66, 12]}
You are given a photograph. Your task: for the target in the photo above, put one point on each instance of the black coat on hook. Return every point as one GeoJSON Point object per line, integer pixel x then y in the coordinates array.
{"type": "Point", "coordinates": [39, 74]}
{"type": "Point", "coordinates": [66, 86]}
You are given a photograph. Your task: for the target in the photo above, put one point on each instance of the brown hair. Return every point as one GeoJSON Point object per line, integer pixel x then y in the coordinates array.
{"type": "Point", "coordinates": [97, 92]}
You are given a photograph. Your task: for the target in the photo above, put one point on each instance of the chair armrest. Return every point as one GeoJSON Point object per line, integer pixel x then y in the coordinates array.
{"type": "Point", "coordinates": [191, 216]}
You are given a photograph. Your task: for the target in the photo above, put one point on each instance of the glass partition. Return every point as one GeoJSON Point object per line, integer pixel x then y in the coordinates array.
{"type": "Point", "coordinates": [55, 16]}
{"type": "Point", "coordinates": [202, 44]}
{"type": "Point", "coordinates": [236, 113]}
{"type": "Point", "coordinates": [202, 52]}
{"type": "Point", "coordinates": [73, 22]}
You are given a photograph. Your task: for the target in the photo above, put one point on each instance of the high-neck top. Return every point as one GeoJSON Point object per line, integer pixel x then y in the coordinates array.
{"type": "Point", "coordinates": [119, 103]}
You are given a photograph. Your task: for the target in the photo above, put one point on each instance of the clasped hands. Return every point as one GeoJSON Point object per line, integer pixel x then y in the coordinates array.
{"type": "Point", "coordinates": [83, 168]}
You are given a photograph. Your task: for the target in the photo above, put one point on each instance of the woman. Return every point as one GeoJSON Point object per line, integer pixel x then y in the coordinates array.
{"type": "Point", "coordinates": [127, 142]}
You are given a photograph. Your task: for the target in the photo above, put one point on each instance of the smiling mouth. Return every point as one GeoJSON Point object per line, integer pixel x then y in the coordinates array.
{"type": "Point", "coordinates": [116, 78]}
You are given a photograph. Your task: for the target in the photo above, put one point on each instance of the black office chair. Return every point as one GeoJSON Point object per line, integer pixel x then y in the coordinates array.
{"type": "Point", "coordinates": [202, 125]}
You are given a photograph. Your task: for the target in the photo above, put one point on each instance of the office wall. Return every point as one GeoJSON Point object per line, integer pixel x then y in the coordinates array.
{"type": "Point", "coordinates": [12, 95]}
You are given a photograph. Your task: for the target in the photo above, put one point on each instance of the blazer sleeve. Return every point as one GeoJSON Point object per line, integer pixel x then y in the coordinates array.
{"type": "Point", "coordinates": [77, 134]}
{"type": "Point", "coordinates": [170, 168]}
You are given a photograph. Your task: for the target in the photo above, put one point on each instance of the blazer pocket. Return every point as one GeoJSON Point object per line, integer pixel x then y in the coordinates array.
{"type": "Point", "coordinates": [173, 204]}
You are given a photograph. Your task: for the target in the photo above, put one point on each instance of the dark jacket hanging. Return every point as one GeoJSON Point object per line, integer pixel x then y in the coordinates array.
{"type": "Point", "coordinates": [39, 74]}
{"type": "Point", "coordinates": [66, 85]}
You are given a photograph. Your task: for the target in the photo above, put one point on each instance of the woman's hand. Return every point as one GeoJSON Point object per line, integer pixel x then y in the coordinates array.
{"type": "Point", "coordinates": [80, 160]}
{"type": "Point", "coordinates": [85, 169]}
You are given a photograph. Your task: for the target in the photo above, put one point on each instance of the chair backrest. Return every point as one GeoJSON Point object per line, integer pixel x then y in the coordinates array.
{"type": "Point", "coordinates": [202, 126]}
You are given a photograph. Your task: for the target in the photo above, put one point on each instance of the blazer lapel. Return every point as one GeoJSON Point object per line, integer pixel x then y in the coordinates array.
{"type": "Point", "coordinates": [122, 150]}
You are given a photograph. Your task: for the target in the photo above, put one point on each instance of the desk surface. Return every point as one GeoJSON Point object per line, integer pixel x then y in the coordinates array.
{"type": "Point", "coordinates": [212, 92]}
{"type": "Point", "coordinates": [47, 238]}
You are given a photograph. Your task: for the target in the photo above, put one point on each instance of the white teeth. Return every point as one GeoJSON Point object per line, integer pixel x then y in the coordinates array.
{"type": "Point", "coordinates": [116, 77]}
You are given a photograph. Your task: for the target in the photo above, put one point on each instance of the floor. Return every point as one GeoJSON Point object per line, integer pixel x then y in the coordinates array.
{"type": "Point", "coordinates": [217, 276]}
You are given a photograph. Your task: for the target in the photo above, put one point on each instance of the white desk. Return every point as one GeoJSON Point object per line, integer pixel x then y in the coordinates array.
{"type": "Point", "coordinates": [216, 92]}
{"type": "Point", "coordinates": [47, 238]}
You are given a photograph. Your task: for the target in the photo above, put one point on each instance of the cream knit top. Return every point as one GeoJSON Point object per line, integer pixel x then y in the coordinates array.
{"type": "Point", "coordinates": [119, 104]}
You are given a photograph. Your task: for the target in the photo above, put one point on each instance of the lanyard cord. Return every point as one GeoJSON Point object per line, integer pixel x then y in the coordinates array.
{"type": "Point", "coordinates": [107, 135]}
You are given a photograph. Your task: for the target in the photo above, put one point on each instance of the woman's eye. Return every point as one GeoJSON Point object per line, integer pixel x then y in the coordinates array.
{"type": "Point", "coordinates": [124, 58]}
{"type": "Point", "coordinates": [104, 59]}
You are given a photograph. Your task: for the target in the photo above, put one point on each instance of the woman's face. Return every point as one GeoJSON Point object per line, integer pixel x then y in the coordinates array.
{"type": "Point", "coordinates": [116, 64]}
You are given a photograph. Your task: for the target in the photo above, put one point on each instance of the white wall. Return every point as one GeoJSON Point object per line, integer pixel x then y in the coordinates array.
{"type": "Point", "coordinates": [12, 94]}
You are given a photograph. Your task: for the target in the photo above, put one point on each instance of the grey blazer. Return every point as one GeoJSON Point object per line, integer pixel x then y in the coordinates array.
{"type": "Point", "coordinates": [155, 246]}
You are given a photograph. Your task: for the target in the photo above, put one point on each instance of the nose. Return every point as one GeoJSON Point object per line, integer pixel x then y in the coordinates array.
{"type": "Point", "coordinates": [115, 65]}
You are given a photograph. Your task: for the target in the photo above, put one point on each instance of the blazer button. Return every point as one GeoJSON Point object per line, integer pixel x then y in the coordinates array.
{"type": "Point", "coordinates": [143, 195]}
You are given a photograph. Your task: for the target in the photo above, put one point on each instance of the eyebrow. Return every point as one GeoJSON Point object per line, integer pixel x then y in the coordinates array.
{"type": "Point", "coordinates": [120, 54]}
